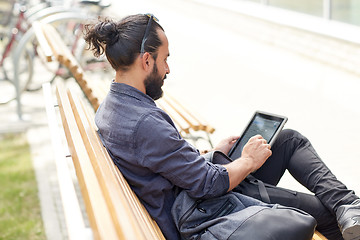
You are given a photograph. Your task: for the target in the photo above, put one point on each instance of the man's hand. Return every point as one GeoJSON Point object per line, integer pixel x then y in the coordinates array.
{"type": "Point", "coordinates": [256, 151]}
{"type": "Point", "coordinates": [226, 144]}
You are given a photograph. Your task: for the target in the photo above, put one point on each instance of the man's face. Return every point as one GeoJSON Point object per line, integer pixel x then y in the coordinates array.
{"type": "Point", "coordinates": [155, 80]}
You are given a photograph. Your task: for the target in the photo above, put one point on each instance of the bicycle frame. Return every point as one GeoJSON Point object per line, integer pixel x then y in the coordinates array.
{"type": "Point", "coordinates": [18, 27]}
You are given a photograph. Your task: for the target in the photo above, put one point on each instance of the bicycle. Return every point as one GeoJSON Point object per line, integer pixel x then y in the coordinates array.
{"type": "Point", "coordinates": [7, 42]}
{"type": "Point", "coordinates": [22, 22]}
{"type": "Point", "coordinates": [16, 22]}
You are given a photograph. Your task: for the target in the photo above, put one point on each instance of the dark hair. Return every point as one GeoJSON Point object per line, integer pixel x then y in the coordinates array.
{"type": "Point", "coordinates": [121, 40]}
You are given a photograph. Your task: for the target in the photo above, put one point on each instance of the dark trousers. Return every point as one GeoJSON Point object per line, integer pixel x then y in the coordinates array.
{"type": "Point", "coordinates": [294, 152]}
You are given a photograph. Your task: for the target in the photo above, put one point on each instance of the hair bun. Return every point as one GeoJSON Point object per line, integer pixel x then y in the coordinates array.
{"type": "Point", "coordinates": [107, 32]}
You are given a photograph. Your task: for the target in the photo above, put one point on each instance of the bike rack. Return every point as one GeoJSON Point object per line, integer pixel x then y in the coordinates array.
{"type": "Point", "coordinates": [28, 36]}
{"type": "Point", "coordinates": [43, 13]}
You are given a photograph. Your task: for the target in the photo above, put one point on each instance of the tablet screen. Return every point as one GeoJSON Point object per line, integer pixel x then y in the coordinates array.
{"type": "Point", "coordinates": [265, 124]}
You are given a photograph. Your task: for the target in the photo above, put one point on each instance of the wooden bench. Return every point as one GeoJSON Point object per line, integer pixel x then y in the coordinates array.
{"type": "Point", "coordinates": [113, 210]}
{"type": "Point", "coordinates": [190, 126]}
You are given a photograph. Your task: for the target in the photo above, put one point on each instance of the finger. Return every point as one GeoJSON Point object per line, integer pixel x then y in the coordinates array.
{"type": "Point", "coordinates": [233, 138]}
{"type": "Point", "coordinates": [260, 139]}
{"type": "Point", "coordinates": [257, 137]}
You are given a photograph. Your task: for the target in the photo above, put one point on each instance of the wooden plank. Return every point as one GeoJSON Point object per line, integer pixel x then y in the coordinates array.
{"type": "Point", "coordinates": [100, 88]}
{"type": "Point", "coordinates": [114, 185]}
{"type": "Point", "coordinates": [59, 47]}
{"type": "Point", "coordinates": [196, 122]}
{"type": "Point", "coordinates": [182, 125]}
{"type": "Point", "coordinates": [64, 56]}
{"type": "Point", "coordinates": [73, 216]}
{"type": "Point", "coordinates": [180, 110]}
{"type": "Point", "coordinates": [318, 236]}
{"type": "Point", "coordinates": [98, 212]}
{"type": "Point", "coordinates": [125, 226]}
{"type": "Point", "coordinates": [54, 42]}
{"type": "Point", "coordinates": [48, 53]}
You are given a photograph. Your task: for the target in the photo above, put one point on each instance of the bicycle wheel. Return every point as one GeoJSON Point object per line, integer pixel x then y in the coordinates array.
{"type": "Point", "coordinates": [7, 86]}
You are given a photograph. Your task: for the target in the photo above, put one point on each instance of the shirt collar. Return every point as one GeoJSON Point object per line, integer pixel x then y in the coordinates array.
{"type": "Point", "coordinates": [123, 88]}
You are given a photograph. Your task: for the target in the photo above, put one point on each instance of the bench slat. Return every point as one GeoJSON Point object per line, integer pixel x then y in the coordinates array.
{"type": "Point", "coordinates": [60, 50]}
{"type": "Point", "coordinates": [98, 214]}
{"type": "Point", "coordinates": [73, 216]}
{"type": "Point", "coordinates": [64, 56]}
{"type": "Point", "coordinates": [103, 173]}
{"type": "Point", "coordinates": [113, 185]}
{"type": "Point", "coordinates": [196, 122]}
{"type": "Point", "coordinates": [55, 43]}
{"type": "Point", "coordinates": [133, 200]}
{"type": "Point", "coordinates": [42, 41]}
{"type": "Point", "coordinates": [181, 124]}
{"type": "Point", "coordinates": [318, 236]}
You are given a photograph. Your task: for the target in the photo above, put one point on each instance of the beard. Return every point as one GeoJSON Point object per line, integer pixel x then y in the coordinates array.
{"type": "Point", "coordinates": [153, 84]}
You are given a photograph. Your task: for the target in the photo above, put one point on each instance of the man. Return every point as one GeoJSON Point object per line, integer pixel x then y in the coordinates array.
{"type": "Point", "coordinates": [145, 145]}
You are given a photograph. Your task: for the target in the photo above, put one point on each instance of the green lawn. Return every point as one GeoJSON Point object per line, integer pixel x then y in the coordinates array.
{"type": "Point", "coordinates": [20, 216]}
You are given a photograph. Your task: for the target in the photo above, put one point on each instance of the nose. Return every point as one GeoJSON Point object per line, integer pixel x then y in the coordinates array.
{"type": "Point", "coordinates": [167, 68]}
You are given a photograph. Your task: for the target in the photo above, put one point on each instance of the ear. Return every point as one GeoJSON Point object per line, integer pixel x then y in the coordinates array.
{"type": "Point", "coordinates": [146, 61]}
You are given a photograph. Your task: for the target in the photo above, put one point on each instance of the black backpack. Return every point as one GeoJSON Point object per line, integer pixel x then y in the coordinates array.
{"type": "Point", "coordinates": [236, 216]}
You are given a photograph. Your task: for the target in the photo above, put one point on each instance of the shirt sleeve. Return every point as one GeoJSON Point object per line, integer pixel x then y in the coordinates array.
{"type": "Point", "coordinates": [164, 151]}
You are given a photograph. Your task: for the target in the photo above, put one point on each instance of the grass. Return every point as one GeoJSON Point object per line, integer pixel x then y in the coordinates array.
{"type": "Point", "coordinates": [20, 216]}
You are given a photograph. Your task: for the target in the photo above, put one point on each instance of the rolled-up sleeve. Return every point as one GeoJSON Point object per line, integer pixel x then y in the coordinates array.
{"type": "Point", "coordinates": [163, 151]}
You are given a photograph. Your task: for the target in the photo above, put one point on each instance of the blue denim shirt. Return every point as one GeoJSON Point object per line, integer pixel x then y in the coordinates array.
{"type": "Point", "coordinates": [149, 151]}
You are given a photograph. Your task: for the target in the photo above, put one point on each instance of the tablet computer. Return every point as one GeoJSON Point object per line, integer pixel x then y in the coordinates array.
{"type": "Point", "coordinates": [266, 124]}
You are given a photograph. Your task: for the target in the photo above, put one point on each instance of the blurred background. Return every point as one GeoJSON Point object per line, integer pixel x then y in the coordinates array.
{"type": "Point", "coordinates": [228, 58]}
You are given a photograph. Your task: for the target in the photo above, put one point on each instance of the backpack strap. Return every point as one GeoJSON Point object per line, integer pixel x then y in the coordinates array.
{"type": "Point", "coordinates": [262, 190]}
